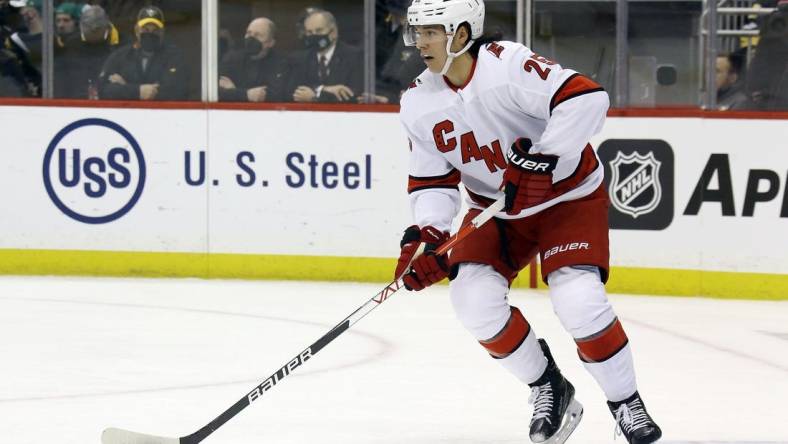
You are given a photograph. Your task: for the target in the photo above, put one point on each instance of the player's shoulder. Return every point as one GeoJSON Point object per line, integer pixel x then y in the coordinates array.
{"type": "Point", "coordinates": [423, 85]}
{"type": "Point", "coordinates": [520, 62]}
{"type": "Point", "coordinates": [503, 57]}
{"type": "Point", "coordinates": [422, 94]}
{"type": "Point", "coordinates": [503, 52]}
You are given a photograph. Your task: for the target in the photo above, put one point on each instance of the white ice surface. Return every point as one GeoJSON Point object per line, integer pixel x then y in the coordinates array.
{"type": "Point", "coordinates": [167, 356]}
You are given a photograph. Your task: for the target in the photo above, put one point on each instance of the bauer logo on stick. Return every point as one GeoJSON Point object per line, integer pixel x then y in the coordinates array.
{"type": "Point", "coordinates": [269, 383]}
{"type": "Point", "coordinates": [94, 171]}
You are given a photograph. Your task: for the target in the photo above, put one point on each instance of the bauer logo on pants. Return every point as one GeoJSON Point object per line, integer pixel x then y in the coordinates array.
{"type": "Point", "coordinates": [94, 171]}
{"type": "Point", "coordinates": [639, 181]}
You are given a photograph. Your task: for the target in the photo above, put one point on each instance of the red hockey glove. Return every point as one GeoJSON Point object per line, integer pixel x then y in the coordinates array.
{"type": "Point", "coordinates": [426, 269]}
{"type": "Point", "coordinates": [528, 178]}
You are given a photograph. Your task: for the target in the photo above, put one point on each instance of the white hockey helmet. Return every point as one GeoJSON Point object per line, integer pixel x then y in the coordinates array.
{"type": "Point", "coordinates": [449, 13]}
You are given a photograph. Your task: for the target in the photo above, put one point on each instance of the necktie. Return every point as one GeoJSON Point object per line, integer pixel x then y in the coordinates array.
{"type": "Point", "coordinates": [322, 67]}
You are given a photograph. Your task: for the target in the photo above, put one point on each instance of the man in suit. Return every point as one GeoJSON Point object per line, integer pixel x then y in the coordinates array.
{"type": "Point", "coordinates": [258, 72]}
{"type": "Point", "coordinates": [329, 70]}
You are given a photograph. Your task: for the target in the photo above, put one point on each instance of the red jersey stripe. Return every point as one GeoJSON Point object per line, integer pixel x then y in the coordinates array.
{"type": "Point", "coordinates": [574, 86]}
{"type": "Point", "coordinates": [587, 165]}
{"type": "Point", "coordinates": [449, 180]}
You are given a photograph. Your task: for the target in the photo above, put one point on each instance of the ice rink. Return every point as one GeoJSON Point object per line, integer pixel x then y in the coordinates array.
{"type": "Point", "coordinates": [167, 356]}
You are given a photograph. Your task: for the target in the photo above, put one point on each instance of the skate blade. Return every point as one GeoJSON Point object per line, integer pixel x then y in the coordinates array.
{"type": "Point", "coordinates": [572, 417]}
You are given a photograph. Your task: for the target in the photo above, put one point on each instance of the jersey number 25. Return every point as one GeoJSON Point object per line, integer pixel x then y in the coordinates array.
{"type": "Point", "coordinates": [531, 65]}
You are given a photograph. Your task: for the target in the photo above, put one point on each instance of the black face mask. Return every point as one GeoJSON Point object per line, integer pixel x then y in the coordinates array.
{"type": "Point", "coordinates": [317, 41]}
{"type": "Point", "coordinates": [252, 46]}
{"type": "Point", "coordinates": [150, 42]}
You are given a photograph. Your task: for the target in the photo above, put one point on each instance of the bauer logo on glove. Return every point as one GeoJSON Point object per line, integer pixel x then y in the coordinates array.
{"type": "Point", "coordinates": [528, 178]}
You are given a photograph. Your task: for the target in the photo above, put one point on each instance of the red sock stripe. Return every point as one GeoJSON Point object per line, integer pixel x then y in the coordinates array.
{"type": "Point", "coordinates": [603, 345]}
{"type": "Point", "coordinates": [510, 337]}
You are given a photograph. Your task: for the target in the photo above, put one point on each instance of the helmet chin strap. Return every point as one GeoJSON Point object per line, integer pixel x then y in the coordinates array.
{"type": "Point", "coordinates": [450, 56]}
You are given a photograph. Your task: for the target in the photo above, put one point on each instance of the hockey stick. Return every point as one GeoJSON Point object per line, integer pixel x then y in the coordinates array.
{"type": "Point", "coordinates": [120, 436]}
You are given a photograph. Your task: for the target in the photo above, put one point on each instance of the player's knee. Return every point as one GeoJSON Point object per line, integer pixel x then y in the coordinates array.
{"type": "Point", "coordinates": [579, 300]}
{"type": "Point", "coordinates": [478, 296]}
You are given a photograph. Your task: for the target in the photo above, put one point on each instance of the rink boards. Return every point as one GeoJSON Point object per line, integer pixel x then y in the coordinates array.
{"type": "Point", "coordinates": [699, 206]}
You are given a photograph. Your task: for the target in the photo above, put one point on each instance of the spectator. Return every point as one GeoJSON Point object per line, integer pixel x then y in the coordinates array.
{"type": "Point", "coordinates": [78, 67]}
{"type": "Point", "coordinates": [300, 33]}
{"type": "Point", "coordinates": [66, 19]}
{"type": "Point", "coordinates": [226, 43]}
{"type": "Point", "coordinates": [12, 79]}
{"type": "Point", "coordinates": [730, 82]}
{"type": "Point", "coordinates": [122, 12]}
{"type": "Point", "coordinates": [396, 64]}
{"type": "Point", "coordinates": [329, 70]}
{"type": "Point", "coordinates": [26, 43]}
{"type": "Point", "coordinates": [148, 69]}
{"type": "Point", "coordinates": [257, 73]}
{"type": "Point", "coordinates": [767, 79]}
{"type": "Point", "coordinates": [28, 37]}
{"type": "Point", "coordinates": [10, 22]}
{"type": "Point", "coordinates": [391, 16]}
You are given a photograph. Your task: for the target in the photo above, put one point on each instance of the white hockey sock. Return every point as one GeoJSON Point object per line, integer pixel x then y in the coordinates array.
{"type": "Point", "coordinates": [616, 376]}
{"type": "Point", "coordinates": [527, 363]}
{"type": "Point", "coordinates": [478, 295]}
{"type": "Point", "coordinates": [580, 301]}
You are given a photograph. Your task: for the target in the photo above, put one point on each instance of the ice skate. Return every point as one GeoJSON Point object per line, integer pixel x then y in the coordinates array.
{"type": "Point", "coordinates": [556, 412]}
{"type": "Point", "coordinates": [633, 421]}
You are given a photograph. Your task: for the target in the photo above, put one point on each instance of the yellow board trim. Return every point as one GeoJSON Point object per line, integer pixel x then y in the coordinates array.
{"type": "Point", "coordinates": [660, 281]}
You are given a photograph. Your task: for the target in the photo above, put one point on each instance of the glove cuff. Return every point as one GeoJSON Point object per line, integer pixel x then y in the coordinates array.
{"type": "Point", "coordinates": [432, 236]}
{"type": "Point", "coordinates": [530, 163]}
{"type": "Point", "coordinates": [427, 234]}
{"type": "Point", "coordinates": [522, 146]}
{"type": "Point", "coordinates": [412, 233]}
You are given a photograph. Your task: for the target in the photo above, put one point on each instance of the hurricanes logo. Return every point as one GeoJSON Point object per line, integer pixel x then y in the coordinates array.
{"type": "Point", "coordinates": [94, 171]}
{"type": "Point", "coordinates": [635, 188]}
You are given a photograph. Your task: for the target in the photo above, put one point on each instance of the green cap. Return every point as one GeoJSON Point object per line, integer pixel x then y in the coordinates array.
{"type": "Point", "coordinates": [72, 9]}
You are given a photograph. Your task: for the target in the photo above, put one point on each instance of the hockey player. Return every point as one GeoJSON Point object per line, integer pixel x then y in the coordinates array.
{"type": "Point", "coordinates": [499, 119]}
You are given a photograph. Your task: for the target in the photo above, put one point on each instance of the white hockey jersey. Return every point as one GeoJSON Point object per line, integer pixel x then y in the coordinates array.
{"type": "Point", "coordinates": [462, 134]}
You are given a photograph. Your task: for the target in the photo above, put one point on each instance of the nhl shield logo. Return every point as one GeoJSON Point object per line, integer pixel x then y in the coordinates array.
{"type": "Point", "coordinates": [635, 187]}
{"type": "Point", "coordinates": [639, 180]}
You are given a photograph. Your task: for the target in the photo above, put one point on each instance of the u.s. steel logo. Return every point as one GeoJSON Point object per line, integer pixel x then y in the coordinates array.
{"type": "Point", "coordinates": [94, 171]}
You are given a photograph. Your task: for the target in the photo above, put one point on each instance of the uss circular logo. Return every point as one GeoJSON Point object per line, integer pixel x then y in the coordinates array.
{"type": "Point", "coordinates": [94, 171]}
